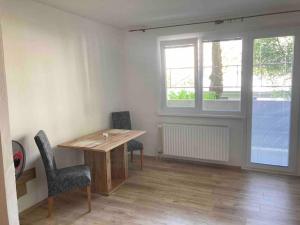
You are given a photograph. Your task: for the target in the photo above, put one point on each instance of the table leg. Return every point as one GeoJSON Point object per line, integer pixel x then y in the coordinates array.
{"type": "Point", "coordinates": [125, 161]}
{"type": "Point", "coordinates": [108, 169]}
{"type": "Point", "coordinates": [100, 165]}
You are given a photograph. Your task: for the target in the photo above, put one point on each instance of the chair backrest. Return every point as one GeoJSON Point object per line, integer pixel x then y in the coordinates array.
{"type": "Point", "coordinates": [47, 154]}
{"type": "Point", "coordinates": [121, 120]}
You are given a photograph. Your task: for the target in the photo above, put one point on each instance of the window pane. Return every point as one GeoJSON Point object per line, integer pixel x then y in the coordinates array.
{"type": "Point", "coordinates": [222, 75]}
{"type": "Point", "coordinates": [271, 104]}
{"type": "Point", "coordinates": [180, 76]}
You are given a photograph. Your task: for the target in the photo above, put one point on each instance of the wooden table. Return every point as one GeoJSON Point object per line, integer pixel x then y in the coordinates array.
{"type": "Point", "coordinates": [106, 157]}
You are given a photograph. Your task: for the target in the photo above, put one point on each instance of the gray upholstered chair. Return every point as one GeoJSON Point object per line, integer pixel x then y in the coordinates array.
{"type": "Point", "coordinates": [61, 180]}
{"type": "Point", "coordinates": [121, 120]}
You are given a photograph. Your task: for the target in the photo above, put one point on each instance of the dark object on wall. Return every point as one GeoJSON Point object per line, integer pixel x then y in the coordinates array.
{"type": "Point", "coordinates": [19, 157]}
{"type": "Point", "coordinates": [21, 183]}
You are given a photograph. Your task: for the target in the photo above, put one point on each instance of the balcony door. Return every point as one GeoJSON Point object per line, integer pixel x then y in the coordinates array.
{"type": "Point", "coordinates": [271, 111]}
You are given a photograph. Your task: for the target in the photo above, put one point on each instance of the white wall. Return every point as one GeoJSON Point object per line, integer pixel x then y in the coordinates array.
{"type": "Point", "coordinates": [143, 83]}
{"type": "Point", "coordinates": [64, 75]}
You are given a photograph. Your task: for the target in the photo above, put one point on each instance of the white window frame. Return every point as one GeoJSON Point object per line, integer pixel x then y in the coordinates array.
{"type": "Point", "coordinates": [291, 168]}
{"type": "Point", "coordinates": [223, 112]}
{"type": "Point", "coordinates": [169, 44]}
{"type": "Point", "coordinates": [198, 110]}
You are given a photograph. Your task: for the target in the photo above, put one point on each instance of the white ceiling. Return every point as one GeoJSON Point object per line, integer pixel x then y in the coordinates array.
{"type": "Point", "coordinates": [133, 13]}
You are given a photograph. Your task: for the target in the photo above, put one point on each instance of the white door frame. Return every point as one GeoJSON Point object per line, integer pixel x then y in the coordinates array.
{"type": "Point", "coordinates": [8, 197]}
{"type": "Point", "coordinates": [291, 169]}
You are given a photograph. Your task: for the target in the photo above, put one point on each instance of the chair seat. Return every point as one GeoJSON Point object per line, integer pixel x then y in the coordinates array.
{"type": "Point", "coordinates": [134, 145]}
{"type": "Point", "coordinates": [70, 178]}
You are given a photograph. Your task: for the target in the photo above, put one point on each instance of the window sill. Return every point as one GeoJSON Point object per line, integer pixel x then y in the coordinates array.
{"type": "Point", "coordinates": [194, 115]}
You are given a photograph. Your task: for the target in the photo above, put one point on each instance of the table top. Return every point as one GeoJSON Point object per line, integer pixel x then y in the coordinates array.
{"type": "Point", "coordinates": [98, 142]}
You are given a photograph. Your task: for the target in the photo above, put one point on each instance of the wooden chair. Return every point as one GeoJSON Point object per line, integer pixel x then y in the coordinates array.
{"type": "Point", "coordinates": [121, 120]}
{"type": "Point", "coordinates": [61, 180]}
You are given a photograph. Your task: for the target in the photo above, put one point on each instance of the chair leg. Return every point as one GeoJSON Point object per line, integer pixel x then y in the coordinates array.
{"type": "Point", "coordinates": [131, 156]}
{"type": "Point", "coordinates": [50, 206]}
{"type": "Point", "coordinates": [142, 158]}
{"type": "Point", "coordinates": [88, 190]}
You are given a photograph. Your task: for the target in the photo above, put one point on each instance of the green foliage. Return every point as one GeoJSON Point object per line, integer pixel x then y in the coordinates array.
{"type": "Point", "coordinates": [273, 57]}
{"type": "Point", "coordinates": [188, 95]}
{"type": "Point", "coordinates": [281, 94]}
{"type": "Point", "coordinates": [209, 95]}
{"type": "Point", "coordinates": [181, 95]}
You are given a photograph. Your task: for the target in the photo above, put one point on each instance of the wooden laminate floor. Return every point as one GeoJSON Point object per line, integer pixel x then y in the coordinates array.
{"type": "Point", "coordinates": [178, 194]}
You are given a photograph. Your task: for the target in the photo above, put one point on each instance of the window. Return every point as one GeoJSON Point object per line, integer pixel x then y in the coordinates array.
{"type": "Point", "coordinates": [215, 87]}
{"type": "Point", "coordinates": [180, 66]}
{"type": "Point", "coordinates": [222, 62]}
{"type": "Point", "coordinates": [271, 104]}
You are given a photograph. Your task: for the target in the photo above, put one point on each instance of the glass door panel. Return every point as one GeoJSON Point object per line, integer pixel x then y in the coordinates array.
{"type": "Point", "coordinates": [271, 103]}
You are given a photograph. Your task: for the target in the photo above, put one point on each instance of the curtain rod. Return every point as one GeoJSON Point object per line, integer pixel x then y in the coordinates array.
{"type": "Point", "coordinates": [217, 22]}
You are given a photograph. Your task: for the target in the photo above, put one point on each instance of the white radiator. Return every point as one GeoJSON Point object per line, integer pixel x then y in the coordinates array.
{"type": "Point", "coordinates": [196, 141]}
